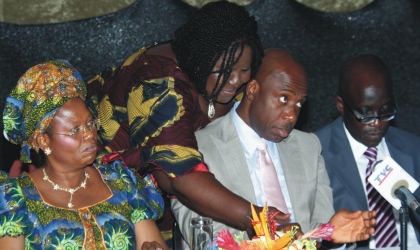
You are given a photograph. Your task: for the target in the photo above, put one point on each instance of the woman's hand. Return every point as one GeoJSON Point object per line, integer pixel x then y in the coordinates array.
{"type": "Point", "coordinates": [147, 245]}
{"type": "Point", "coordinates": [148, 236]}
{"type": "Point", "coordinates": [280, 217]}
{"type": "Point", "coordinates": [12, 243]}
{"type": "Point", "coordinates": [352, 226]}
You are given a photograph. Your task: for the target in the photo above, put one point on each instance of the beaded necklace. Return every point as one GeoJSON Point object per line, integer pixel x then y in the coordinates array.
{"type": "Point", "coordinates": [68, 190]}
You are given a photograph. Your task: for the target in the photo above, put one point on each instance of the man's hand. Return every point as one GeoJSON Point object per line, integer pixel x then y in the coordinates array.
{"type": "Point", "coordinates": [288, 227]}
{"type": "Point", "coordinates": [352, 226]}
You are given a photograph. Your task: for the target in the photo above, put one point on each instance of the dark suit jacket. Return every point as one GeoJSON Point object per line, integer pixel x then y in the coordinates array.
{"type": "Point", "coordinates": [348, 190]}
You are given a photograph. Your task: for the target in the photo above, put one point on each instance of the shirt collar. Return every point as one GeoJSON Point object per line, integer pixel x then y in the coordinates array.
{"type": "Point", "coordinates": [359, 148]}
{"type": "Point", "coordinates": [249, 138]}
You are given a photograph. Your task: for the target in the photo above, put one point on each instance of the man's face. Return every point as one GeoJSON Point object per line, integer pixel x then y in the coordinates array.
{"type": "Point", "coordinates": [277, 103]}
{"type": "Point", "coordinates": [369, 96]}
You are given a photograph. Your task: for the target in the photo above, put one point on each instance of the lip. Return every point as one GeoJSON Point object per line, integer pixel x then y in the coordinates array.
{"type": "Point", "coordinates": [91, 148]}
{"type": "Point", "coordinates": [283, 132]}
{"type": "Point", "coordinates": [229, 92]}
{"type": "Point", "coordinates": [375, 133]}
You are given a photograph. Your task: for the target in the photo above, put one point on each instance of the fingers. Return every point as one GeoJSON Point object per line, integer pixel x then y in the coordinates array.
{"type": "Point", "coordinates": [282, 217]}
{"type": "Point", "coordinates": [369, 218]}
{"type": "Point", "coordinates": [147, 245]}
{"type": "Point", "coordinates": [282, 221]}
{"type": "Point", "coordinates": [364, 234]}
{"type": "Point", "coordinates": [369, 214]}
{"type": "Point", "coordinates": [275, 210]}
{"type": "Point", "coordinates": [288, 227]}
{"type": "Point", "coordinates": [347, 214]}
{"type": "Point", "coordinates": [299, 233]}
{"type": "Point", "coordinates": [370, 223]}
{"type": "Point", "coordinates": [352, 215]}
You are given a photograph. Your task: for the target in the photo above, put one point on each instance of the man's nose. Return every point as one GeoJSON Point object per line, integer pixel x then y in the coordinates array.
{"type": "Point", "coordinates": [375, 123]}
{"type": "Point", "coordinates": [290, 114]}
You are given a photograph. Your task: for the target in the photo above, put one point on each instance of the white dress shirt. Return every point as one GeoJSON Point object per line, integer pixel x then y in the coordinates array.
{"type": "Point", "coordinates": [249, 140]}
{"type": "Point", "coordinates": [362, 162]}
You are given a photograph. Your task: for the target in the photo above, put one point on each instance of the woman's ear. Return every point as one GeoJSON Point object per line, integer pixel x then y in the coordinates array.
{"type": "Point", "coordinates": [43, 141]}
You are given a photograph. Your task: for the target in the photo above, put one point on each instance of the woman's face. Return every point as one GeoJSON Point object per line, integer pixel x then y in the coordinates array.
{"type": "Point", "coordinates": [70, 138]}
{"type": "Point", "coordinates": [241, 73]}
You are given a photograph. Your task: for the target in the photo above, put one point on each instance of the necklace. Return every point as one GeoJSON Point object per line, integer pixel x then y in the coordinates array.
{"type": "Point", "coordinates": [68, 190]}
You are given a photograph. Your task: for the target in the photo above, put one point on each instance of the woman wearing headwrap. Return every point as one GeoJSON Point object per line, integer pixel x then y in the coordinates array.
{"type": "Point", "coordinates": [68, 202]}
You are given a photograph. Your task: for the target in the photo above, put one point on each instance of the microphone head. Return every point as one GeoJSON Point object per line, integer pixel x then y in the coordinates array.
{"type": "Point", "coordinates": [388, 177]}
{"type": "Point", "coordinates": [398, 184]}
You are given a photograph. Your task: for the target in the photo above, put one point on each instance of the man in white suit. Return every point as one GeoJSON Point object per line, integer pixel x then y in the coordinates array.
{"type": "Point", "coordinates": [268, 112]}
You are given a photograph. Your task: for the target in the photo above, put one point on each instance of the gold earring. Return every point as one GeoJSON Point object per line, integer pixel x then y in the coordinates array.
{"type": "Point", "coordinates": [47, 151]}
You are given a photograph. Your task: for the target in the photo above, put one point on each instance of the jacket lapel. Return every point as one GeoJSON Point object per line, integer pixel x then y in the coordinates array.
{"type": "Point", "coordinates": [396, 149]}
{"type": "Point", "coordinates": [289, 157]}
{"type": "Point", "coordinates": [293, 167]}
{"type": "Point", "coordinates": [233, 157]}
{"type": "Point", "coordinates": [344, 165]}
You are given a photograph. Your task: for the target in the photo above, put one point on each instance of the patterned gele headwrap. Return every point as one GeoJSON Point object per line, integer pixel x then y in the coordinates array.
{"type": "Point", "coordinates": [33, 102]}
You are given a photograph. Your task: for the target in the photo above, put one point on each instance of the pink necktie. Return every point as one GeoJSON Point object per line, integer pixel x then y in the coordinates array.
{"type": "Point", "coordinates": [269, 180]}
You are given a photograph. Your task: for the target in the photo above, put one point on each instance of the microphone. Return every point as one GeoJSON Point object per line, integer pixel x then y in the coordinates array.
{"type": "Point", "coordinates": [394, 184]}
{"type": "Point", "coordinates": [406, 196]}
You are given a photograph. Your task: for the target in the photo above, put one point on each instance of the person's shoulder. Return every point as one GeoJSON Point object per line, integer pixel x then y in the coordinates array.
{"type": "Point", "coordinates": [11, 192]}
{"type": "Point", "coordinates": [303, 136]}
{"type": "Point", "coordinates": [405, 136]}
{"type": "Point", "coordinates": [14, 211]}
{"type": "Point", "coordinates": [115, 171]}
{"type": "Point", "coordinates": [214, 125]}
{"type": "Point", "coordinates": [326, 130]}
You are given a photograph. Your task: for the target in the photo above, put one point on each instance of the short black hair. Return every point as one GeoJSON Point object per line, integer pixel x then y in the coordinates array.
{"type": "Point", "coordinates": [219, 28]}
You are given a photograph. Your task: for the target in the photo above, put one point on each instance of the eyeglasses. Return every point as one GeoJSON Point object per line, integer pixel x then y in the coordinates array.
{"type": "Point", "coordinates": [370, 119]}
{"type": "Point", "coordinates": [80, 132]}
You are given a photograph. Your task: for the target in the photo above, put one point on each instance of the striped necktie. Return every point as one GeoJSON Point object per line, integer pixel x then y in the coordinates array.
{"type": "Point", "coordinates": [385, 231]}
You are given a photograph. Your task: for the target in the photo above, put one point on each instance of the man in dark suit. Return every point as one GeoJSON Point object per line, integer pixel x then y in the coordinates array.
{"type": "Point", "coordinates": [366, 104]}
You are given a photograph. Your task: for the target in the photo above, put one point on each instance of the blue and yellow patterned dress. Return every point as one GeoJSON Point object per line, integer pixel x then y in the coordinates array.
{"type": "Point", "coordinates": [106, 225]}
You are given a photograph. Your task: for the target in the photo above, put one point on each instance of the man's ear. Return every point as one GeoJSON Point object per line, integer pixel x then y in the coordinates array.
{"type": "Point", "coordinates": [251, 89]}
{"type": "Point", "coordinates": [339, 104]}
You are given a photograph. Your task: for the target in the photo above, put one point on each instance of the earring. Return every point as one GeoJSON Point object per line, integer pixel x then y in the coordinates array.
{"type": "Point", "coordinates": [211, 111]}
{"type": "Point", "coordinates": [47, 151]}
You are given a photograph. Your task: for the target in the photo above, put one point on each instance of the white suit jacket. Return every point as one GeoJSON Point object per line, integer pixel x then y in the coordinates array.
{"type": "Point", "coordinates": [303, 166]}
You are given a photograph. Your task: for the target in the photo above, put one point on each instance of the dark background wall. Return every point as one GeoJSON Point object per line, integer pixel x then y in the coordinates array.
{"type": "Point", "coordinates": [319, 40]}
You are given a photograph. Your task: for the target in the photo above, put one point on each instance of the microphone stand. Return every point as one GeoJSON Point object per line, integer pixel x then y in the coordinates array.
{"type": "Point", "coordinates": [403, 219]}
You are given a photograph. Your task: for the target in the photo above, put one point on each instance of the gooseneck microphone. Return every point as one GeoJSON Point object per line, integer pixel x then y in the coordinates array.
{"type": "Point", "coordinates": [405, 195]}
